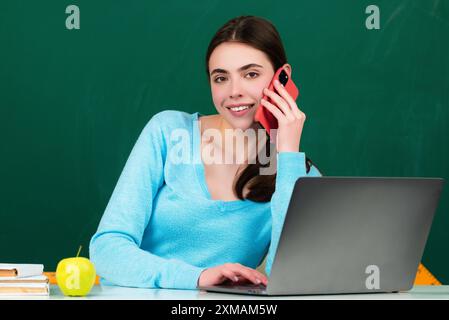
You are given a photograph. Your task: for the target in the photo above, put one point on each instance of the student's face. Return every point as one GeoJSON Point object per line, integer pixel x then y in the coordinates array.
{"type": "Point", "coordinates": [238, 73]}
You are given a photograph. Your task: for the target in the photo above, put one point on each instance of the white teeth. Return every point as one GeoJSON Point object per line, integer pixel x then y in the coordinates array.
{"type": "Point", "coordinates": [240, 108]}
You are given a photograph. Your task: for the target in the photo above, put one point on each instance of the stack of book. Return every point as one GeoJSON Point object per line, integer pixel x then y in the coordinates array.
{"type": "Point", "coordinates": [23, 279]}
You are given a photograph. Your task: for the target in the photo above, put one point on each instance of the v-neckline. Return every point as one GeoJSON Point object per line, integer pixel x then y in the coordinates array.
{"type": "Point", "coordinates": [199, 165]}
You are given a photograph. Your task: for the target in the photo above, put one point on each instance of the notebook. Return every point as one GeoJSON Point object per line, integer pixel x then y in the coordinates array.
{"type": "Point", "coordinates": [23, 280]}
{"type": "Point", "coordinates": [36, 285]}
{"type": "Point", "coordinates": [17, 270]}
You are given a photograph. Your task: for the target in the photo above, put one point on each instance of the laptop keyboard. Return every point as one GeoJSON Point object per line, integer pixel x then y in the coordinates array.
{"type": "Point", "coordinates": [253, 288]}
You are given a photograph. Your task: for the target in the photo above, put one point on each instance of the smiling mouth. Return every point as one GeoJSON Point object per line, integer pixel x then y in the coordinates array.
{"type": "Point", "coordinates": [240, 108]}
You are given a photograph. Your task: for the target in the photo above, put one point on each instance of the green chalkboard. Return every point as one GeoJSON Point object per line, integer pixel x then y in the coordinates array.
{"type": "Point", "coordinates": [73, 101]}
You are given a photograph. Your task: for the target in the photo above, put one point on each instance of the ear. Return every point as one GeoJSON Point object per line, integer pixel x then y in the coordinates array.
{"type": "Point", "coordinates": [288, 69]}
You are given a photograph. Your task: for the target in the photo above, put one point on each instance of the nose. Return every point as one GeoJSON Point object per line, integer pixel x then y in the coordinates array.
{"type": "Point", "coordinates": [235, 90]}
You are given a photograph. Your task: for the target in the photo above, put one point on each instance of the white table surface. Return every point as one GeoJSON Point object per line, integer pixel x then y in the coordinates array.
{"type": "Point", "coordinates": [123, 293]}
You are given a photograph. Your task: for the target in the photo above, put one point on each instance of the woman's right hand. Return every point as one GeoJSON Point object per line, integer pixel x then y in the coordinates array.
{"type": "Point", "coordinates": [235, 272]}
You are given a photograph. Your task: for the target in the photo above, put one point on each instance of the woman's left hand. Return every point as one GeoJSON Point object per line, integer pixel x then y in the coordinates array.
{"type": "Point", "coordinates": [290, 118]}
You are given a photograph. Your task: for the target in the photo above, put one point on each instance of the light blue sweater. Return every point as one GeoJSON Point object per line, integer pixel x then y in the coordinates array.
{"type": "Point", "coordinates": [161, 228]}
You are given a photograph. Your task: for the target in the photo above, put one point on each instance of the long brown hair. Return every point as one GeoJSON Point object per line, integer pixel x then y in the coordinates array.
{"type": "Point", "coordinates": [262, 35]}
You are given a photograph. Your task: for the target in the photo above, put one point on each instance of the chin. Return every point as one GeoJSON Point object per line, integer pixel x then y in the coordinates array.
{"type": "Point", "coordinates": [245, 122]}
{"type": "Point", "coordinates": [242, 124]}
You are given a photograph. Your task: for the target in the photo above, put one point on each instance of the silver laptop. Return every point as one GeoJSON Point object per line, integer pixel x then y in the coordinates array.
{"type": "Point", "coordinates": [345, 235]}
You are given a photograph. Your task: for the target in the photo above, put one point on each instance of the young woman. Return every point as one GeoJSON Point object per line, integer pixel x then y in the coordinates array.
{"type": "Point", "coordinates": [179, 225]}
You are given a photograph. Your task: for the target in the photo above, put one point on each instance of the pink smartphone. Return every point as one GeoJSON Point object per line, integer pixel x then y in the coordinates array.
{"type": "Point", "coordinates": [263, 115]}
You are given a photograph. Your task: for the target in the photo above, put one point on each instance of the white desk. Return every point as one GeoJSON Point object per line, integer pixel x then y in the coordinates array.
{"type": "Point", "coordinates": [122, 293]}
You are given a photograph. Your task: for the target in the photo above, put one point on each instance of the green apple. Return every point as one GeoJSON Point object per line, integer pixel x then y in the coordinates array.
{"type": "Point", "coordinates": [75, 276]}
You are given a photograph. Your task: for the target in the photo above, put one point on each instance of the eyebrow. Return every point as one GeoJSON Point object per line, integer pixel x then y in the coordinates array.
{"type": "Point", "coordinates": [245, 67]}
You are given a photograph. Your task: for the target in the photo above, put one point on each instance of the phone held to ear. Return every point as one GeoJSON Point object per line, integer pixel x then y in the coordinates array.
{"type": "Point", "coordinates": [263, 115]}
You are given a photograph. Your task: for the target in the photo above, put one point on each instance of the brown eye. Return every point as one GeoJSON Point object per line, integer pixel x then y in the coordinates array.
{"type": "Point", "coordinates": [216, 80]}
{"type": "Point", "coordinates": [252, 74]}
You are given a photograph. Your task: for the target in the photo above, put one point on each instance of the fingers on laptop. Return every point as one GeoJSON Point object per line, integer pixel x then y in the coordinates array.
{"type": "Point", "coordinates": [236, 271]}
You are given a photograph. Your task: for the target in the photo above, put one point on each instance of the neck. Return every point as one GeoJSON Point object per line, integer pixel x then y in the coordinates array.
{"type": "Point", "coordinates": [240, 135]}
